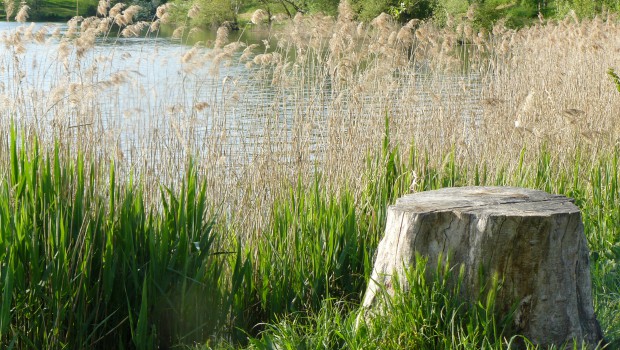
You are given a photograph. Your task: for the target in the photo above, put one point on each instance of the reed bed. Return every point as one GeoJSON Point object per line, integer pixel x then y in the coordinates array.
{"type": "Point", "coordinates": [314, 95]}
{"type": "Point", "coordinates": [266, 191]}
{"type": "Point", "coordinates": [86, 264]}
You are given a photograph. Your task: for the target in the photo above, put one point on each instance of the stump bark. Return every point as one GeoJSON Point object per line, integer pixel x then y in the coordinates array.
{"type": "Point", "coordinates": [533, 241]}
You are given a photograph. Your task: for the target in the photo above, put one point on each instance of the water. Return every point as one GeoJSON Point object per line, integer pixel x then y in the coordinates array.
{"type": "Point", "coordinates": [145, 99]}
{"type": "Point", "coordinates": [132, 86]}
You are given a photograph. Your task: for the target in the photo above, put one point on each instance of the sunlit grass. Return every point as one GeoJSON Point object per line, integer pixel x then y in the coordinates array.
{"type": "Point", "coordinates": [206, 226]}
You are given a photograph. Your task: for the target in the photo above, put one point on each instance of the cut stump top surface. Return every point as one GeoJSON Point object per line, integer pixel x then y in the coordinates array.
{"type": "Point", "coordinates": [489, 200]}
{"type": "Point", "coordinates": [533, 240]}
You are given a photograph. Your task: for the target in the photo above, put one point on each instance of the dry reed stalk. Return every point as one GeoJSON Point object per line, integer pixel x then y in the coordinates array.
{"type": "Point", "coordinates": [9, 8]}
{"type": "Point", "coordinates": [327, 108]}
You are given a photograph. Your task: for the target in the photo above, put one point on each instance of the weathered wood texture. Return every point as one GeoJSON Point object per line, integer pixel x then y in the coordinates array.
{"type": "Point", "coordinates": [533, 240]}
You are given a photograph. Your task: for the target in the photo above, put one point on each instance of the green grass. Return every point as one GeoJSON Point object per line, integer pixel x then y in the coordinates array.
{"type": "Point", "coordinates": [56, 10]}
{"type": "Point", "coordinates": [86, 265]}
{"type": "Point", "coordinates": [85, 262]}
{"type": "Point", "coordinates": [431, 315]}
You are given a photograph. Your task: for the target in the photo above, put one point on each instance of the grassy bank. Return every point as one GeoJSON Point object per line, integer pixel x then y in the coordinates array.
{"type": "Point", "coordinates": [219, 220]}
{"type": "Point", "coordinates": [86, 264]}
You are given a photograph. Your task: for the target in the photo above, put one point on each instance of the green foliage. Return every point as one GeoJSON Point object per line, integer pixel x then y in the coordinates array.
{"type": "Point", "coordinates": [211, 13]}
{"type": "Point", "coordinates": [369, 9]}
{"type": "Point", "coordinates": [487, 12]}
{"type": "Point", "coordinates": [451, 7]}
{"type": "Point", "coordinates": [585, 8]}
{"type": "Point", "coordinates": [55, 10]}
{"type": "Point", "coordinates": [614, 78]}
{"type": "Point", "coordinates": [315, 249]}
{"type": "Point", "coordinates": [214, 12]}
{"type": "Point", "coordinates": [400, 10]}
{"type": "Point", "coordinates": [329, 7]}
{"type": "Point", "coordinates": [82, 269]}
{"type": "Point", "coordinates": [516, 13]}
{"type": "Point", "coordinates": [84, 264]}
{"type": "Point", "coordinates": [431, 315]}
{"type": "Point", "coordinates": [428, 315]}
{"type": "Point", "coordinates": [147, 9]}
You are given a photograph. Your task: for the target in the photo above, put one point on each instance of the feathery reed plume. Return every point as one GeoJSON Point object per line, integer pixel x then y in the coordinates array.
{"type": "Point", "coordinates": [104, 25]}
{"type": "Point", "coordinates": [217, 60]}
{"type": "Point", "coordinates": [492, 102]}
{"type": "Point", "coordinates": [234, 46]}
{"type": "Point", "coordinates": [247, 52]}
{"type": "Point", "coordinates": [345, 11]}
{"type": "Point", "coordinates": [392, 38]}
{"type": "Point", "coordinates": [383, 21]}
{"type": "Point", "coordinates": [360, 29]}
{"type": "Point", "coordinates": [116, 10]}
{"type": "Point", "coordinates": [165, 18]}
{"type": "Point", "coordinates": [64, 50]}
{"type": "Point", "coordinates": [279, 17]}
{"type": "Point", "coordinates": [40, 34]}
{"type": "Point", "coordinates": [267, 59]}
{"type": "Point", "coordinates": [194, 31]}
{"type": "Point", "coordinates": [525, 106]}
{"type": "Point", "coordinates": [449, 20]}
{"type": "Point", "coordinates": [102, 8]}
{"type": "Point", "coordinates": [22, 14]}
{"type": "Point", "coordinates": [72, 27]}
{"type": "Point", "coordinates": [9, 8]}
{"type": "Point", "coordinates": [14, 40]}
{"type": "Point", "coordinates": [134, 30]}
{"type": "Point", "coordinates": [154, 25]}
{"type": "Point", "coordinates": [468, 30]}
{"type": "Point", "coordinates": [119, 78]}
{"type": "Point", "coordinates": [85, 42]}
{"type": "Point", "coordinates": [221, 36]}
{"type": "Point", "coordinates": [200, 106]}
{"type": "Point", "coordinates": [162, 12]}
{"type": "Point", "coordinates": [56, 33]}
{"type": "Point", "coordinates": [178, 32]}
{"type": "Point", "coordinates": [412, 24]}
{"type": "Point", "coordinates": [194, 11]}
{"type": "Point", "coordinates": [259, 16]}
{"type": "Point", "coordinates": [130, 13]}
{"type": "Point", "coordinates": [119, 20]}
{"type": "Point", "coordinates": [405, 35]}
{"type": "Point", "coordinates": [28, 32]}
{"type": "Point", "coordinates": [89, 22]}
{"type": "Point", "coordinates": [505, 6]}
{"type": "Point", "coordinates": [187, 57]}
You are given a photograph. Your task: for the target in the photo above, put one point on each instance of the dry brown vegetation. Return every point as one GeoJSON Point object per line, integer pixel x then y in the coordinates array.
{"type": "Point", "coordinates": [482, 94]}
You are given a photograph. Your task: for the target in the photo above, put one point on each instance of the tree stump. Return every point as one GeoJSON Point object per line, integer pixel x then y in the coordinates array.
{"type": "Point", "coordinates": [533, 241]}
